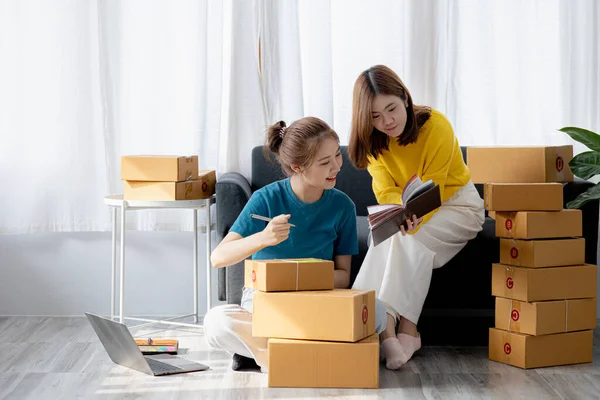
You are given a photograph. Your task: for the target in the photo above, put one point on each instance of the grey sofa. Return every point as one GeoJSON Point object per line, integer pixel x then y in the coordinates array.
{"type": "Point", "coordinates": [459, 307]}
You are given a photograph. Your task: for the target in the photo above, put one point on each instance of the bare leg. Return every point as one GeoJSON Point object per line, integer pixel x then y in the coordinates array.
{"type": "Point", "coordinates": [408, 327]}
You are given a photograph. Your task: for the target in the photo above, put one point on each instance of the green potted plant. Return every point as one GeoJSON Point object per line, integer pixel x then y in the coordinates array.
{"type": "Point", "coordinates": [585, 165]}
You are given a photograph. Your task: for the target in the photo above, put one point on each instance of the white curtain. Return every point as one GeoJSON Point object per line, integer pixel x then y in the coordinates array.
{"type": "Point", "coordinates": [505, 72]}
{"type": "Point", "coordinates": [84, 82]}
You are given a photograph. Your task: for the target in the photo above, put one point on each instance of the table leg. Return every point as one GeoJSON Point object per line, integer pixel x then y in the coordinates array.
{"type": "Point", "coordinates": [113, 275]}
{"type": "Point", "coordinates": [195, 229]}
{"type": "Point", "coordinates": [122, 263]}
{"type": "Point", "coordinates": [208, 266]}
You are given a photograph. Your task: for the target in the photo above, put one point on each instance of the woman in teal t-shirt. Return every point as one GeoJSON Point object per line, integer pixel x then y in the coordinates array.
{"type": "Point", "coordinates": [325, 228]}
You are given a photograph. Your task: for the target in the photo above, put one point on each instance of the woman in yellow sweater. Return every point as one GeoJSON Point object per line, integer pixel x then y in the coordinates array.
{"type": "Point", "coordinates": [394, 140]}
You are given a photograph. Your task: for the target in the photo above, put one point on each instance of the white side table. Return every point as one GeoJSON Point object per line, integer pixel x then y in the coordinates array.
{"type": "Point", "coordinates": [116, 202]}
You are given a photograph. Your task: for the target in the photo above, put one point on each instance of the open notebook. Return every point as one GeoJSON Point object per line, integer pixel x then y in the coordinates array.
{"type": "Point", "coordinates": [418, 198]}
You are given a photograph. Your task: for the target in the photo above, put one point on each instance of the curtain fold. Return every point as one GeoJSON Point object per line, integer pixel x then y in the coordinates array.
{"type": "Point", "coordinates": [86, 82]}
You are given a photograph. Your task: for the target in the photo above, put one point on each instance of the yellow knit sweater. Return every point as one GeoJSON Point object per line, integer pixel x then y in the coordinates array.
{"type": "Point", "coordinates": [435, 155]}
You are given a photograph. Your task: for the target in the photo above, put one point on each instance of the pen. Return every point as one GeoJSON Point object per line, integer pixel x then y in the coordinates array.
{"type": "Point", "coordinates": [265, 218]}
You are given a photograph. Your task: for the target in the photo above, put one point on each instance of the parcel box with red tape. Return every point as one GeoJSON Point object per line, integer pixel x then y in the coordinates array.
{"type": "Point", "coordinates": [342, 315]}
{"type": "Point", "coordinates": [289, 274]}
{"type": "Point", "coordinates": [321, 364]}
{"type": "Point", "coordinates": [538, 224]}
{"type": "Point", "coordinates": [526, 351]}
{"type": "Point", "coordinates": [523, 196]}
{"type": "Point", "coordinates": [200, 188]}
{"type": "Point", "coordinates": [539, 284]}
{"type": "Point", "coordinates": [525, 164]}
{"type": "Point", "coordinates": [159, 168]}
{"type": "Point", "coordinates": [542, 253]}
{"type": "Point", "coordinates": [545, 317]}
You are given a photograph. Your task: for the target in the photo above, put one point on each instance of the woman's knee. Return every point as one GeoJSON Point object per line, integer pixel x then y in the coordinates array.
{"type": "Point", "coordinates": [216, 323]}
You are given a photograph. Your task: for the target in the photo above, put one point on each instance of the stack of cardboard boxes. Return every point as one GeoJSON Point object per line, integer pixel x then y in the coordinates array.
{"type": "Point", "coordinates": [545, 293]}
{"type": "Point", "coordinates": [318, 336]}
{"type": "Point", "coordinates": [163, 178]}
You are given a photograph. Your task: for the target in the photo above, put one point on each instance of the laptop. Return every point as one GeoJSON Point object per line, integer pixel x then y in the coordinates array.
{"type": "Point", "coordinates": [121, 348]}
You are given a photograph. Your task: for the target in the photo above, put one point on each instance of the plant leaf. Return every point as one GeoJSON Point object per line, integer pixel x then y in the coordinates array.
{"type": "Point", "coordinates": [592, 193]}
{"type": "Point", "coordinates": [588, 138]}
{"type": "Point", "coordinates": [585, 165]}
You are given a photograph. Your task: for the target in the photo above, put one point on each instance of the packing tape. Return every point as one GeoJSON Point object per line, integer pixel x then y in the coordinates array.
{"type": "Point", "coordinates": [508, 281]}
{"type": "Point", "coordinates": [514, 315]}
{"type": "Point", "coordinates": [515, 257]}
{"type": "Point", "coordinates": [364, 313]}
{"type": "Point", "coordinates": [510, 314]}
{"type": "Point", "coordinates": [566, 315]}
{"type": "Point", "coordinates": [510, 224]}
{"type": "Point", "coordinates": [559, 165]}
{"type": "Point", "coordinates": [297, 271]}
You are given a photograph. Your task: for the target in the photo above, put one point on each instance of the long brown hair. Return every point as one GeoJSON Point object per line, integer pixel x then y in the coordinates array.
{"type": "Point", "coordinates": [297, 144]}
{"type": "Point", "coordinates": [365, 139]}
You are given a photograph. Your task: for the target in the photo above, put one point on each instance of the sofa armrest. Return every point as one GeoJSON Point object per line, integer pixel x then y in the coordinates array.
{"type": "Point", "coordinates": [589, 216]}
{"type": "Point", "coordinates": [233, 192]}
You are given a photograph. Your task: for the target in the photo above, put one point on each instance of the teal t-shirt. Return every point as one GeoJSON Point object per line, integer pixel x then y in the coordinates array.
{"type": "Point", "coordinates": [324, 229]}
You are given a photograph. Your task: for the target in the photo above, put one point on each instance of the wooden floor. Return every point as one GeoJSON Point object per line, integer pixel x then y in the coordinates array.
{"type": "Point", "coordinates": [61, 358]}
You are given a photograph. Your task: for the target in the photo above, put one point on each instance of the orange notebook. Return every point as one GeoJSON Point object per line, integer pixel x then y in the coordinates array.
{"type": "Point", "coordinates": [158, 346]}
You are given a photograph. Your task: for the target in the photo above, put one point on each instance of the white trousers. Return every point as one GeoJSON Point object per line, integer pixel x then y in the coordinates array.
{"type": "Point", "coordinates": [229, 328]}
{"type": "Point", "coordinates": [400, 269]}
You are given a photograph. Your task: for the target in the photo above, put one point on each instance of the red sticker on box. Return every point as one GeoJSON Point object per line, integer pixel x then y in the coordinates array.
{"type": "Point", "coordinates": [514, 252]}
{"type": "Point", "coordinates": [365, 314]}
{"type": "Point", "coordinates": [514, 315]}
{"type": "Point", "coordinates": [509, 283]}
{"type": "Point", "coordinates": [560, 164]}
{"type": "Point", "coordinates": [508, 224]}
{"type": "Point", "coordinates": [253, 276]}
{"type": "Point", "coordinates": [204, 187]}
{"type": "Point", "coordinates": [507, 348]}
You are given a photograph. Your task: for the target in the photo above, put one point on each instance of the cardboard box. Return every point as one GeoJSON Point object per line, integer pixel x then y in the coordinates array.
{"type": "Point", "coordinates": [525, 351]}
{"type": "Point", "coordinates": [529, 164]}
{"type": "Point", "coordinates": [542, 253]}
{"type": "Point", "coordinates": [339, 315]}
{"type": "Point", "coordinates": [310, 364]}
{"type": "Point", "coordinates": [200, 188]}
{"type": "Point", "coordinates": [288, 275]}
{"type": "Point", "coordinates": [540, 284]}
{"type": "Point", "coordinates": [545, 317]}
{"type": "Point", "coordinates": [538, 224]}
{"type": "Point", "coordinates": [523, 196]}
{"type": "Point", "coordinates": [154, 168]}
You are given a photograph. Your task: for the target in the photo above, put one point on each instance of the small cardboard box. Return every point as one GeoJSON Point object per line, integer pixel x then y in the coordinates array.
{"type": "Point", "coordinates": [311, 364]}
{"type": "Point", "coordinates": [542, 253]}
{"type": "Point", "coordinates": [529, 164]}
{"type": "Point", "coordinates": [538, 224]}
{"type": "Point", "coordinates": [289, 274]}
{"type": "Point", "coordinates": [155, 168]}
{"type": "Point", "coordinates": [200, 188]}
{"type": "Point", "coordinates": [525, 351]}
{"type": "Point", "coordinates": [541, 284]}
{"type": "Point", "coordinates": [339, 315]}
{"type": "Point", "coordinates": [545, 317]}
{"type": "Point", "coordinates": [523, 196]}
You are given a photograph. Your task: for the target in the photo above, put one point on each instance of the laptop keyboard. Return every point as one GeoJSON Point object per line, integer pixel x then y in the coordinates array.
{"type": "Point", "coordinates": [158, 366]}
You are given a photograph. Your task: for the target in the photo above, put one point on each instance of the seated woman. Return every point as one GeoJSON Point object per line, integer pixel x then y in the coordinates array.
{"type": "Point", "coordinates": [325, 228]}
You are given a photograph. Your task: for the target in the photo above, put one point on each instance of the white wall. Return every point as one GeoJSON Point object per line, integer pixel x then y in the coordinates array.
{"type": "Point", "coordinates": [69, 273]}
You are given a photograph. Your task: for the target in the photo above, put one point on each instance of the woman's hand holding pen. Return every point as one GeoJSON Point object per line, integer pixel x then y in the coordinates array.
{"type": "Point", "coordinates": [277, 230]}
